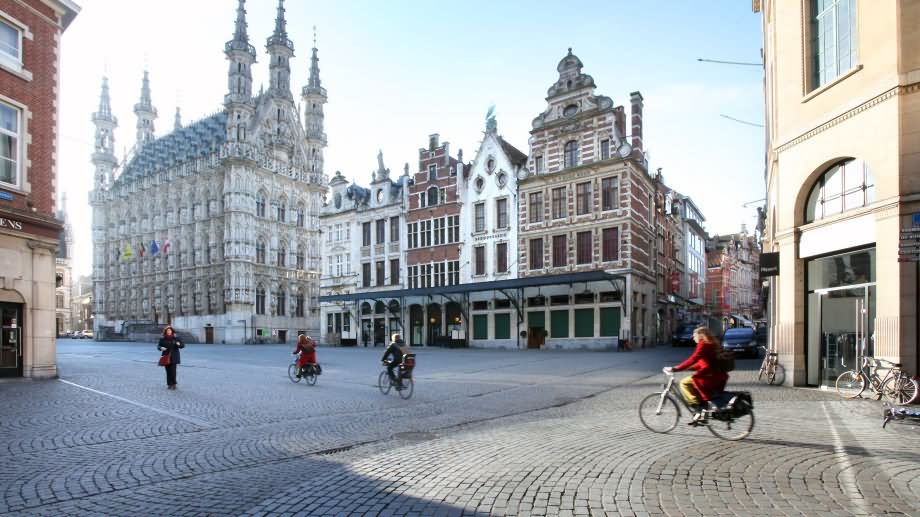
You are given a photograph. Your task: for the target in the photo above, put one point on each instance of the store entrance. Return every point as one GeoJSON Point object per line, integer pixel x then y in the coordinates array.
{"type": "Point", "coordinates": [841, 315]}
{"type": "Point", "coordinates": [10, 340]}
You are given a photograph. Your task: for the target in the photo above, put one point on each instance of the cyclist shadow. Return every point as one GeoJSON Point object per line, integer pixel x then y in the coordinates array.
{"type": "Point", "coordinates": [850, 450]}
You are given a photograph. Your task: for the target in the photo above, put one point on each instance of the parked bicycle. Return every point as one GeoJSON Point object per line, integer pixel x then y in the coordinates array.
{"type": "Point", "coordinates": [308, 373]}
{"type": "Point", "coordinates": [889, 413]}
{"type": "Point", "coordinates": [404, 383]}
{"type": "Point", "coordinates": [770, 369]}
{"type": "Point", "coordinates": [896, 385]}
{"type": "Point", "coordinates": [732, 420]}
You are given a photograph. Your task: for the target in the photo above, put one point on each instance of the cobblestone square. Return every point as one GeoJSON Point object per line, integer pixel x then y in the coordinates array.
{"type": "Point", "coordinates": [485, 433]}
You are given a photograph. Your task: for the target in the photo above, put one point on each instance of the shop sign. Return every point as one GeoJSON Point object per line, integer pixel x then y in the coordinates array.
{"type": "Point", "coordinates": [5, 196]}
{"type": "Point", "coordinates": [769, 264]}
{"type": "Point", "coordinates": [909, 241]}
{"type": "Point", "coordinates": [10, 223]}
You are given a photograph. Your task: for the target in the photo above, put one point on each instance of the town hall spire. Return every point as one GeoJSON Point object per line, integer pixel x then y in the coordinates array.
{"type": "Point", "coordinates": [146, 114]}
{"type": "Point", "coordinates": [238, 100]}
{"type": "Point", "coordinates": [104, 159]}
{"type": "Point", "coordinates": [280, 51]}
{"type": "Point", "coordinates": [314, 97]}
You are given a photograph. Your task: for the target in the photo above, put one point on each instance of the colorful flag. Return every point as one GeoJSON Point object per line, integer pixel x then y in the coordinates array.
{"type": "Point", "coordinates": [140, 249]}
{"type": "Point", "coordinates": [128, 254]}
{"type": "Point", "coordinates": [166, 246]}
{"type": "Point", "coordinates": [153, 247]}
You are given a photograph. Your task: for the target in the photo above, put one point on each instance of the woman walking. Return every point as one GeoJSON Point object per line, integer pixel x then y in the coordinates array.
{"type": "Point", "coordinates": [169, 346]}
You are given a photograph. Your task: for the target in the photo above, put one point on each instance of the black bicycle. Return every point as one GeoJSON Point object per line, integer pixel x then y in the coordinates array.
{"type": "Point", "coordinates": [733, 418]}
{"type": "Point", "coordinates": [404, 383]}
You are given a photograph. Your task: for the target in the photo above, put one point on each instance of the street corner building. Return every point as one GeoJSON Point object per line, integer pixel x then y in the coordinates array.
{"type": "Point", "coordinates": [30, 39]}
{"type": "Point", "coordinates": [843, 183]}
{"type": "Point", "coordinates": [214, 227]}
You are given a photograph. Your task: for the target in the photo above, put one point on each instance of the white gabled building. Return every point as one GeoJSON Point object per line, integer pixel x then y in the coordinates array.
{"type": "Point", "coordinates": [488, 200]}
{"type": "Point", "coordinates": [363, 252]}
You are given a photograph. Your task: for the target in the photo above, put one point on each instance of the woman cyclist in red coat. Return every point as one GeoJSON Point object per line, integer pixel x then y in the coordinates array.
{"type": "Point", "coordinates": [306, 347]}
{"type": "Point", "coordinates": [708, 380]}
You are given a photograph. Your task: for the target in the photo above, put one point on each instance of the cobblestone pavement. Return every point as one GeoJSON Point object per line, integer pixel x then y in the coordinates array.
{"type": "Point", "coordinates": [486, 433]}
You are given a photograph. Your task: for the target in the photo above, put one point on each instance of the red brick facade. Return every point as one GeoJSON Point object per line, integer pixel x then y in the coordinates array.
{"type": "Point", "coordinates": [33, 91]}
{"type": "Point", "coordinates": [422, 211]}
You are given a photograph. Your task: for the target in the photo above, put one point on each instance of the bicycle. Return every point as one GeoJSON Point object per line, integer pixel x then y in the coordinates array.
{"type": "Point", "coordinates": [770, 367]}
{"type": "Point", "coordinates": [732, 418]}
{"type": "Point", "coordinates": [896, 386]}
{"type": "Point", "coordinates": [889, 413]}
{"type": "Point", "coordinates": [308, 373]}
{"type": "Point", "coordinates": [404, 383]}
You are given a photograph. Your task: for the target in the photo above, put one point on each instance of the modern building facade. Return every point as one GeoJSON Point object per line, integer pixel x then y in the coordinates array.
{"type": "Point", "coordinates": [214, 227]}
{"type": "Point", "coordinates": [30, 32]}
{"type": "Point", "coordinates": [843, 176]}
{"type": "Point", "coordinates": [587, 204]}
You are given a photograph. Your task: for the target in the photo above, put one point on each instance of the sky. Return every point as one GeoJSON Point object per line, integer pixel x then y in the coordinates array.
{"type": "Point", "coordinates": [398, 71]}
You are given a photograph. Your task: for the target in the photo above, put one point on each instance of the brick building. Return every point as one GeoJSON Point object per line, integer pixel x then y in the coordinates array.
{"type": "Point", "coordinates": [30, 36]}
{"type": "Point", "coordinates": [587, 205]}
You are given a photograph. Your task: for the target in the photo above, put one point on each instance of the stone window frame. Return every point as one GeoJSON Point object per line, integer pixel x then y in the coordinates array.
{"type": "Point", "coordinates": [20, 161]}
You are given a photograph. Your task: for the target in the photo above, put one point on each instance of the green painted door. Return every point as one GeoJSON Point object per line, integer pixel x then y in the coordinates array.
{"type": "Point", "coordinates": [610, 321]}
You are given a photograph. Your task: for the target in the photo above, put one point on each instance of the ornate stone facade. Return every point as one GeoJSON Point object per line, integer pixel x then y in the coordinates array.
{"type": "Point", "coordinates": [214, 227]}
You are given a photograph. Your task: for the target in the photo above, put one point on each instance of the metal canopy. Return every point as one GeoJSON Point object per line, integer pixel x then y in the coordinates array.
{"type": "Point", "coordinates": [514, 283]}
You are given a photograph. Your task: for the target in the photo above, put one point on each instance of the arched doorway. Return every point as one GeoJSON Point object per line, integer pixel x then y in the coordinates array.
{"type": "Point", "coordinates": [416, 324]}
{"type": "Point", "coordinates": [435, 323]}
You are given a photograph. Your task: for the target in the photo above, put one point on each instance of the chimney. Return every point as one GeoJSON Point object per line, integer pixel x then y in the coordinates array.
{"type": "Point", "coordinates": [433, 141]}
{"type": "Point", "coordinates": [619, 121]}
{"type": "Point", "coordinates": [635, 99]}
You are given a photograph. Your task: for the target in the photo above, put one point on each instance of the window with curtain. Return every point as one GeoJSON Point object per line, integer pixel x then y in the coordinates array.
{"type": "Point", "coordinates": [536, 253]}
{"type": "Point", "coordinates": [583, 198]}
{"type": "Point", "coordinates": [535, 202]}
{"type": "Point", "coordinates": [501, 257]}
{"type": "Point", "coordinates": [559, 199]}
{"type": "Point", "coordinates": [584, 248]}
{"type": "Point", "coordinates": [610, 243]}
{"type": "Point", "coordinates": [610, 190]}
{"type": "Point", "coordinates": [560, 251]}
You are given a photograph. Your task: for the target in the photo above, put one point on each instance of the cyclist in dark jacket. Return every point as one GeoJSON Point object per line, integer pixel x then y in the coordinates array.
{"type": "Point", "coordinates": [396, 349]}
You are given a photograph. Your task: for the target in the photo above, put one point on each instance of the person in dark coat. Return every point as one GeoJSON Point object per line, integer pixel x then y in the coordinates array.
{"type": "Point", "coordinates": [170, 345]}
{"type": "Point", "coordinates": [708, 380]}
{"type": "Point", "coordinates": [396, 349]}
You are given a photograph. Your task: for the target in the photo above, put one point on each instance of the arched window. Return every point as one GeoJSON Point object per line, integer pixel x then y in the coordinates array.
{"type": "Point", "coordinates": [300, 256]}
{"type": "Point", "coordinates": [260, 252]}
{"type": "Point", "coordinates": [282, 209]}
{"type": "Point", "coordinates": [260, 205]}
{"type": "Point", "coordinates": [845, 186]}
{"type": "Point", "coordinates": [301, 216]}
{"type": "Point", "coordinates": [282, 251]}
{"type": "Point", "coordinates": [279, 302]}
{"type": "Point", "coordinates": [570, 157]}
{"type": "Point", "coordinates": [432, 196]}
{"type": "Point", "coordinates": [260, 300]}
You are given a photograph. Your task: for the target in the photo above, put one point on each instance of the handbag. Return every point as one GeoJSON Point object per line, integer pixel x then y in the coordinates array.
{"type": "Point", "coordinates": [164, 360]}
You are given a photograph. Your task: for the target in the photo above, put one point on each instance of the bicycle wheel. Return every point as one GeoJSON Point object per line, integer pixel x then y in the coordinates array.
{"type": "Point", "coordinates": [734, 428]}
{"type": "Point", "coordinates": [850, 384]}
{"type": "Point", "coordinates": [408, 386]}
{"type": "Point", "coordinates": [764, 369]}
{"type": "Point", "coordinates": [776, 372]}
{"type": "Point", "coordinates": [383, 382]}
{"type": "Point", "coordinates": [293, 370]}
{"type": "Point", "coordinates": [310, 377]}
{"type": "Point", "coordinates": [659, 412]}
{"type": "Point", "coordinates": [900, 390]}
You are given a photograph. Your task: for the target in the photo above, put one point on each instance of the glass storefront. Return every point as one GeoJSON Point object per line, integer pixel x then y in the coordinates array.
{"type": "Point", "coordinates": [841, 314]}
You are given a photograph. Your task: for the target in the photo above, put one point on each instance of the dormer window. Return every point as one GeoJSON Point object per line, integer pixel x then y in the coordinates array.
{"type": "Point", "coordinates": [432, 172]}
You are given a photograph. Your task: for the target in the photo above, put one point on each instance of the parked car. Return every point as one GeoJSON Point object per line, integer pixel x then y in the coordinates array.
{"type": "Point", "coordinates": [684, 335]}
{"type": "Point", "coordinates": [761, 334]}
{"type": "Point", "coordinates": [741, 340]}
{"type": "Point", "coordinates": [87, 334]}
{"type": "Point", "coordinates": [77, 334]}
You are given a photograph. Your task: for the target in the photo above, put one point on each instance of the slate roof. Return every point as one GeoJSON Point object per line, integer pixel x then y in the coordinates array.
{"type": "Point", "coordinates": [516, 156]}
{"type": "Point", "coordinates": [199, 138]}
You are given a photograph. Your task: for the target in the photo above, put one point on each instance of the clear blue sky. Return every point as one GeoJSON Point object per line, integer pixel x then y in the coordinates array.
{"type": "Point", "coordinates": [399, 71]}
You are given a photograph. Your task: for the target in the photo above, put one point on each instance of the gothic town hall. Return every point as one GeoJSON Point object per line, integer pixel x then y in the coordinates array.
{"type": "Point", "coordinates": [214, 226]}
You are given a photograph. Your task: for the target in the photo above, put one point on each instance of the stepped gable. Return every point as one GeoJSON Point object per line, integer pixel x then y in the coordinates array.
{"type": "Point", "coordinates": [199, 138]}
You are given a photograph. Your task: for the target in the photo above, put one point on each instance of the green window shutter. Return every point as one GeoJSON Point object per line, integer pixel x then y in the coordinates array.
{"type": "Point", "coordinates": [536, 319]}
{"type": "Point", "coordinates": [610, 321]}
{"type": "Point", "coordinates": [584, 322]}
{"type": "Point", "coordinates": [503, 326]}
{"type": "Point", "coordinates": [480, 326]}
{"type": "Point", "coordinates": [559, 323]}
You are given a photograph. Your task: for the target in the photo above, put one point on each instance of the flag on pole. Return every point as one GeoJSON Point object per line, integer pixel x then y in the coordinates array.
{"type": "Point", "coordinates": [154, 248]}
{"type": "Point", "coordinates": [141, 250]}
{"type": "Point", "coordinates": [128, 254]}
{"type": "Point", "coordinates": [166, 246]}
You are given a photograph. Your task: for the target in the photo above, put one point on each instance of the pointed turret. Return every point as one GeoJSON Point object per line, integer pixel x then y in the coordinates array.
{"type": "Point", "coordinates": [104, 152]}
{"type": "Point", "coordinates": [146, 114]}
{"type": "Point", "coordinates": [314, 97]}
{"type": "Point", "coordinates": [280, 50]}
{"type": "Point", "coordinates": [238, 100]}
{"type": "Point", "coordinates": [177, 123]}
